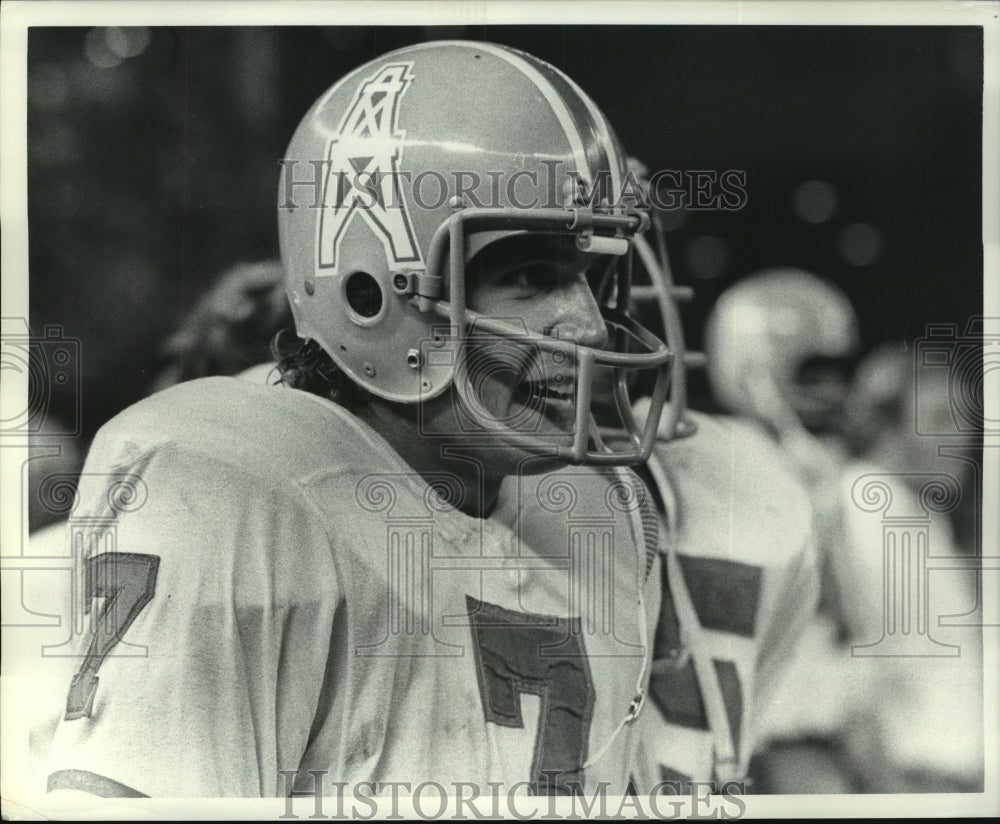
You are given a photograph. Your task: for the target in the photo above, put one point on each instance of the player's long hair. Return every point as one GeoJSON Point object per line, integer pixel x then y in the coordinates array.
{"type": "Point", "coordinates": [305, 365]}
{"type": "Point", "coordinates": [244, 320]}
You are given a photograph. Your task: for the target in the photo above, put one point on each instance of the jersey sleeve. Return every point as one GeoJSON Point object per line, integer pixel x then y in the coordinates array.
{"type": "Point", "coordinates": [210, 598]}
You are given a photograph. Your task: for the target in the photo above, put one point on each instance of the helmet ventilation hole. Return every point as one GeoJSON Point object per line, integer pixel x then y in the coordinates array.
{"type": "Point", "coordinates": [363, 294]}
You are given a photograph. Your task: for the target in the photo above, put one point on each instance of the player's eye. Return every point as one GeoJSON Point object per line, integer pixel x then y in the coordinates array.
{"type": "Point", "coordinates": [544, 276]}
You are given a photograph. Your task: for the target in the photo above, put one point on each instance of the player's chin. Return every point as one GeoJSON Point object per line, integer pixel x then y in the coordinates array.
{"type": "Point", "coordinates": [551, 442]}
{"type": "Point", "coordinates": [547, 430]}
{"type": "Point", "coordinates": [533, 427]}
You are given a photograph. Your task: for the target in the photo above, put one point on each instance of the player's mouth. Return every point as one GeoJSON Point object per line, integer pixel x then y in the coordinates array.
{"type": "Point", "coordinates": [555, 398]}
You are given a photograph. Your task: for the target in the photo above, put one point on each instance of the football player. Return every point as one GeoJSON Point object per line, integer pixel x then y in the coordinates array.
{"type": "Point", "coordinates": [417, 559]}
{"type": "Point", "coordinates": [782, 345]}
{"type": "Point", "coordinates": [782, 348]}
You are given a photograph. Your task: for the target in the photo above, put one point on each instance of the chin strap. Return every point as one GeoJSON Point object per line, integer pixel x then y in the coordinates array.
{"type": "Point", "coordinates": [631, 480]}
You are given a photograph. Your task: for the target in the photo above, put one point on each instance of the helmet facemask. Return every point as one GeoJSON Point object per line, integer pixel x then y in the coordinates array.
{"type": "Point", "coordinates": [545, 374]}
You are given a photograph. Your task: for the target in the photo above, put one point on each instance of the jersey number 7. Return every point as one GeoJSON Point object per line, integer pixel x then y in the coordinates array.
{"type": "Point", "coordinates": [126, 581]}
{"type": "Point", "coordinates": [543, 655]}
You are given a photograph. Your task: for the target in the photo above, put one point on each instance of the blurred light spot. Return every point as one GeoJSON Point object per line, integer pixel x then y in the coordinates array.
{"type": "Point", "coordinates": [707, 256]}
{"type": "Point", "coordinates": [127, 42]}
{"type": "Point", "coordinates": [815, 201]}
{"type": "Point", "coordinates": [95, 47]}
{"type": "Point", "coordinates": [860, 244]}
{"type": "Point", "coordinates": [48, 86]}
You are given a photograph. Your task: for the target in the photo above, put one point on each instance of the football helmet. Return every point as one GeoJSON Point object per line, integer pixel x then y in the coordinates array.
{"type": "Point", "coordinates": [408, 167]}
{"type": "Point", "coordinates": [780, 347]}
{"type": "Point", "coordinates": [655, 286]}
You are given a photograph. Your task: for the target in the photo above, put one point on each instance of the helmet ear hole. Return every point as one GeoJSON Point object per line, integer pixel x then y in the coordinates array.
{"type": "Point", "coordinates": [363, 294]}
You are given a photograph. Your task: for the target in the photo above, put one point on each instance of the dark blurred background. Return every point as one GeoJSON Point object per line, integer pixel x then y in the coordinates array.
{"type": "Point", "coordinates": [153, 164]}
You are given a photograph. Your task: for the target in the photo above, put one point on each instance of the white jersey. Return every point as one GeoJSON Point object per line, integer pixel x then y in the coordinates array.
{"type": "Point", "coordinates": [904, 689]}
{"type": "Point", "coordinates": [275, 594]}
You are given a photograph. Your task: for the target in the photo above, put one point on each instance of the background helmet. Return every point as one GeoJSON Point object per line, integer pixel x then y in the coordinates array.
{"type": "Point", "coordinates": [411, 164]}
{"type": "Point", "coordinates": [780, 346]}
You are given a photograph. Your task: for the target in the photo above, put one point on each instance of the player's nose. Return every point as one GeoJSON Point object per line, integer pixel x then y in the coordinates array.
{"type": "Point", "coordinates": [578, 317]}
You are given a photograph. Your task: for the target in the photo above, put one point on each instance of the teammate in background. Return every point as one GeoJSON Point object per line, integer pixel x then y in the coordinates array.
{"type": "Point", "coordinates": [416, 558]}
{"type": "Point", "coordinates": [231, 328]}
{"type": "Point", "coordinates": [781, 349]}
{"type": "Point", "coordinates": [925, 712]}
{"type": "Point", "coordinates": [781, 346]}
{"type": "Point", "coordinates": [883, 412]}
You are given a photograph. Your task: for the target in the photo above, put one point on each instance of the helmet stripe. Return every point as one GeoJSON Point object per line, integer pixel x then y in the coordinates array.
{"type": "Point", "coordinates": [564, 97]}
{"type": "Point", "coordinates": [590, 122]}
{"type": "Point", "coordinates": [604, 134]}
{"type": "Point", "coordinates": [557, 102]}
